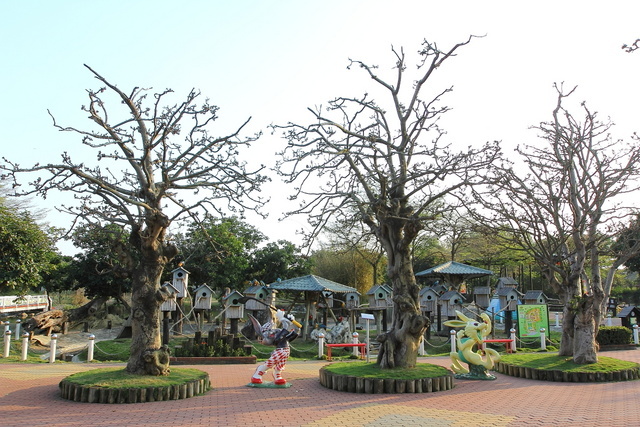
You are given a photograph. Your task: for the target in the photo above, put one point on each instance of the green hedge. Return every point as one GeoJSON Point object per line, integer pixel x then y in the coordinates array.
{"type": "Point", "coordinates": [613, 335]}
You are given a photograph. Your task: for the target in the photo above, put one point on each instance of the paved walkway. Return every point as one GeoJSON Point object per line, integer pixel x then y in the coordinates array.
{"type": "Point", "coordinates": [29, 396]}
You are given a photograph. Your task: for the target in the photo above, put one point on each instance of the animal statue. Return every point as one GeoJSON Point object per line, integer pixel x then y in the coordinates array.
{"type": "Point", "coordinates": [468, 339]}
{"type": "Point", "coordinates": [315, 334]}
{"type": "Point", "coordinates": [280, 338]}
{"type": "Point", "coordinates": [340, 333]}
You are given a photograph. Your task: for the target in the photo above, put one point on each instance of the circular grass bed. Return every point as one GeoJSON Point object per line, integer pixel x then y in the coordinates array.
{"type": "Point", "coordinates": [552, 367]}
{"type": "Point", "coordinates": [362, 377]}
{"type": "Point", "coordinates": [116, 385]}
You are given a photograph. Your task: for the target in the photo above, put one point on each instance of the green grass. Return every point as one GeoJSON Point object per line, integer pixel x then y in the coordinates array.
{"type": "Point", "coordinates": [120, 378]}
{"type": "Point", "coordinates": [31, 358]}
{"type": "Point", "coordinates": [553, 362]}
{"type": "Point", "coordinates": [372, 370]}
{"type": "Point", "coordinates": [117, 350]}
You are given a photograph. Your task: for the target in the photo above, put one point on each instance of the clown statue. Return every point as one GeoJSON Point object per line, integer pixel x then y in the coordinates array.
{"type": "Point", "coordinates": [280, 338]}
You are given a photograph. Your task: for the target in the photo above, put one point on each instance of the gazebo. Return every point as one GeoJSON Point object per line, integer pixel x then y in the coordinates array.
{"type": "Point", "coordinates": [312, 287]}
{"type": "Point", "coordinates": [454, 273]}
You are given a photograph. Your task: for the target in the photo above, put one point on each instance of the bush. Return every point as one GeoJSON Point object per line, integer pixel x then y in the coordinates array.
{"type": "Point", "coordinates": [219, 349]}
{"type": "Point", "coordinates": [613, 335]}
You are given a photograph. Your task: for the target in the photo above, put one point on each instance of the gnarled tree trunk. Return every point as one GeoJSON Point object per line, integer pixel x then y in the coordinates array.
{"type": "Point", "coordinates": [399, 346]}
{"type": "Point", "coordinates": [148, 356]}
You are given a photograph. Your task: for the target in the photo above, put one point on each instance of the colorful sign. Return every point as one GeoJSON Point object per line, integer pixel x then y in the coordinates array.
{"type": "Point", "coordinates": [531, 318]}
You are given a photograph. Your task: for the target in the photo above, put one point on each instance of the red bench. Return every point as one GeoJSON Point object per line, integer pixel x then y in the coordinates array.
{"type": "Point", "coordinates": [508, 343]}
{"type": "Point", "coordinates": [361, 347]}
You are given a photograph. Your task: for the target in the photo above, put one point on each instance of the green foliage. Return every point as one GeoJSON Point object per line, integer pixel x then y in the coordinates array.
{"type": "Point", "coordinates": [202, 349]}
{"type": "Point", "coordinates": [628, 294]}
{"type": "Point", "coordinates": [104, 268]}
{"type": "Point", "coordinates": [26, 251]}
{"type": "Point", "coordinates": [217, 251]}
{"type": "Point", "coordinates": [613, 335]}
{"type": "Point", "coordinates": [281, 260]}
{"type": "Point", "coordinates": [344, 266]}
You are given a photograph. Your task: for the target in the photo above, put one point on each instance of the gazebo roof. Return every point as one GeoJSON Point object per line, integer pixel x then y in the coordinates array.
{"type": "Point", "coordinates": [310, 283]}
{"type": "Point", "coordinates": [453, 268]}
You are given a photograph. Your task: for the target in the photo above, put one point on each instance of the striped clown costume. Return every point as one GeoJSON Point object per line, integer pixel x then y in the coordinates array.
{"type": "Point", "coordinates": [279, 337]}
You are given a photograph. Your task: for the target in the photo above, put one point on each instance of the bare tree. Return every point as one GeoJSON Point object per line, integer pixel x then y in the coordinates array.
{"type": "Point", "coordinates": [156, 164]}
{"type": "Point", "coordinates": [564, 210]}
{"type": "Point", "coordinates": [390, 166]}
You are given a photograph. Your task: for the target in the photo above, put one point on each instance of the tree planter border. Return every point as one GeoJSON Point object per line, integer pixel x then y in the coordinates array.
{"type": "Point", "coordinates": [561, 376]}
{"type": "Point", "coordinates": [92, 394]}
{"type": "Point", "coordinates": [352, 384]}
{"type": "Point", "coordinates": [189, 360]}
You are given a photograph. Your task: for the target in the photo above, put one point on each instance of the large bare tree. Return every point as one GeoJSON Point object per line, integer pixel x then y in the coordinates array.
{"type": "Point", "coordinates": [388, 163]}
{"type": "Point", "coordinates": [155, 164]}
{"type": "Point", "coordinates": [562, 207]}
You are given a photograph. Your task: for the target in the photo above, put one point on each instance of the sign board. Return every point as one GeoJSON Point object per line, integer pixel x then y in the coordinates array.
{"type": "Point", "coordinates": [531, 318]}
{"type": "Point", "coordinates": [366, 316]}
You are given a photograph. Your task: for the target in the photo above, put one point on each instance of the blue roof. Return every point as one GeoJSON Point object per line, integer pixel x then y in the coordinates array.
{"type": "Point", "coordinates": [455, 268]}
{"type": "Point", "coordinates": [310, 283]}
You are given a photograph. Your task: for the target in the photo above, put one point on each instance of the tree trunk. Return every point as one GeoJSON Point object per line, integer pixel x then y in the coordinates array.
{"type": "Point", "coordinates": [147, 355]}
{"type": "Point", "coordinates": [399, 346]}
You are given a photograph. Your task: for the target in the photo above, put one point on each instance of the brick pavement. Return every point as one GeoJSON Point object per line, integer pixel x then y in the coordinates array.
{"type": "Point", "coordinates": [29, 397]}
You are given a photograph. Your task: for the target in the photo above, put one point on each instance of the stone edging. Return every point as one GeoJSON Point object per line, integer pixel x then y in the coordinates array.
{"type": "Point", "coordinates": [560, 376]}
{"type": "Point", "coordinates": [353, 384]}
{"type": "Point", "coordinates": [91, 394]}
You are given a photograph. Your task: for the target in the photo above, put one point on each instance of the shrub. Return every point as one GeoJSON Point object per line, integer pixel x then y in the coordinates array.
{"type": "Point", "coordinates": [613, 335]}
{"type": "Point", "coordinates": [218, 349]}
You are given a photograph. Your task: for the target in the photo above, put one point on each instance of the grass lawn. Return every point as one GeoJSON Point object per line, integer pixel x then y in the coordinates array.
{"type": "Point", "coordinates": [553, 362]}
{"type": "Point", "coordinates": [371, 370]}
{"type": "Point", "coordinates": [119, 378]}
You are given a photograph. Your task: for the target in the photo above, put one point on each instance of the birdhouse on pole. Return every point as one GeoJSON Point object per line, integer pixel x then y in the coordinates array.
{"type": "Point", "coordinates": [261, 293]}
{"type": "Point", "coordinates": [380, 296]}
{"type": "Point", "coordinates": [429, 299]}
{"type": "Point", "coordinates": [352, 299]}
{"type": "Point", "coordinates": [181, 281]}
{"type": "Point", "coordinates": [234, 308]}
{"type": "Point", "coordinates": [170, 304]}
{"type": "Point", "coordinates": [202, 298]}
{"type": "Point", "coordinates": [508, 297]}
{"type": "Point", "coordinates": [451, 301]}
{"type": "Point", "coordinates": [482, 296]}
{"type": "Point", "coordinates": [535, 297]}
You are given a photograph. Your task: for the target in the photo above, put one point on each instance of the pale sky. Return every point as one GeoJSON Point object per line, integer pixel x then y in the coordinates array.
{"type": "Point", "coordinates": [270, 60]}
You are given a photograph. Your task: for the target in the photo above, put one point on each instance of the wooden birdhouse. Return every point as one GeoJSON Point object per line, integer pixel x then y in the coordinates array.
{"type": "Point", "coordinates": [629, 316]}
{"type": "Point", "coordinates": [181, 281]}
{"type": "Point", "coordinates": [234, 308]}
{"type": "Point", "coordinates": [327, 298]}
{"type": "Point", "coordinates": [429, 299]}
{"type": "Point", "coordinates": [261, 293]}
{"type": "Point", "coordinates": [535, 297]}
{"type": "Point", "coordinates": [451, 301]}
{"type": "Point", "coordinates": [482, 296]}
{"type": "Point", "coordinates": [202, 298]}
{"type": "Point", "coordinates": [352, 299]}
{"type": "Point", "coordinates": [380, 296]}
{"type": "Point", "coordinates": [170, 304]}
{"type": "Point", "coordinates": [508, 298]}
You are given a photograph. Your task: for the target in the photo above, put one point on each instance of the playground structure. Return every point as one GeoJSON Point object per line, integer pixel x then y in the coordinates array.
{"type": "Point", "coordinates": [17, 304]}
